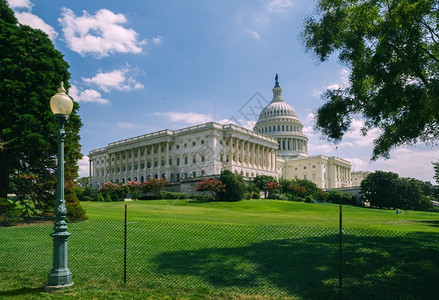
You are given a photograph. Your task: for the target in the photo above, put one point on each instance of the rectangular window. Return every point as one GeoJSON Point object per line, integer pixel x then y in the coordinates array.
{"type": "Point", "coordinates": [178, 161]}
{"type": "Point", "coordinates": [193, 143]}
{"type": "Point", "coordinates": [185, 160]}
{"type": "Point", "coordinates": [194, 159]}
{"type": "Point", "coordinates": [148, 164]}
{"type": "Point", "coordinates": [156, 163]}
{"type": "Point", "coordinates": [170, 161]}
{"type": "Point", "coordinates": [194, 174]}
{"type": "Point", "coordinates": [163, 162]}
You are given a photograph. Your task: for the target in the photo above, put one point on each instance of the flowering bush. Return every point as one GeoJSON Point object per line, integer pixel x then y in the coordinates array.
{"type": "Point", "coordinates": [113, 191]}
{"type": "Point", "coordinates": [133, 187]}
{"type": "Point", "coordinates": [153, 185]}
{"type": "Point", "coordinates": [213, 186]}
{"type": "Point", "coordinates": [210, 185]}
{"type": "Point", "coordinates": [272, 187]}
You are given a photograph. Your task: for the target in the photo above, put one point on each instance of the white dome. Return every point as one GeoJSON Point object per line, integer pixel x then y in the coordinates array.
{"type": "Point", "coordinates": [279, 120]}
{"type": "Point", "coordinates": [277, 109]}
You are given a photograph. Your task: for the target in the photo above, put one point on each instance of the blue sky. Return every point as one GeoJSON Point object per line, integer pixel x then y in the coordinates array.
{"type": "Point", "coordinates": [143, 66]}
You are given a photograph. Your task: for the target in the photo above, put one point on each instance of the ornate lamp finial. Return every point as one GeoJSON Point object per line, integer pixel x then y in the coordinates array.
{"type": "Point", "coordinates": [61, 88]}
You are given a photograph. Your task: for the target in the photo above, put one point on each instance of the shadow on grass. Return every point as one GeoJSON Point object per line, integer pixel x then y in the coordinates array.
{"type": "Point", "coordinates": [393, 267]}
{"type": "Point", "coordinates": [430, 223]}
{"type": "Point", "coordinates": [22, 291]}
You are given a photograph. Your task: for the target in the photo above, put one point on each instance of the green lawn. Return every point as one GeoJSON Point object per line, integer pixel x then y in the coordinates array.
{"type": "Point", "coordinates": [253, 249]}
{"type": "Point", "coordinates": [264, 212]}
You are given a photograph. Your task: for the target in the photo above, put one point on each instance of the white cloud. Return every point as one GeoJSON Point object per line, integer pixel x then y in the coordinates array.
{"type": "Point", "coordinates": [341, 83]}
{"type": "Point", "coordinates": [278, 5]}
{"type": "Point", "coordinates": [248, 124]}
{"type": "Point", "coordinates": [188, 118]}
{"type": "Point", "coordinates": [355, 136]}
{"type": "Point", "coordinates": [14, 4]}
{"type": "Point", "coordinates": [100, 34]}
{"type": "Point", "coordinates": [24, 15]}
{"type": "Point", "coordinates": [409, 162]}
{"type": "Point", "coordinates": [83, 167]}
{"type": "Point", "coordinates": [157, 40]}
{"type": "Point", "coordinates": [252, 33]}
{"type": "Point", "coordinates": [116, 79]}
{"type": "Point", "coordinates": [34, 21]}
{"type": "Point", "coordinates": [88, 95]}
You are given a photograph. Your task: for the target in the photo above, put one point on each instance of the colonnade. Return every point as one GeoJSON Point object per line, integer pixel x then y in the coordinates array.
{"type": "Point", "coordinates": [342, 174]}
{"type": "Point", "coordinates": [292, 144]}
{"type": "Point", "coordinates": [249, 154]}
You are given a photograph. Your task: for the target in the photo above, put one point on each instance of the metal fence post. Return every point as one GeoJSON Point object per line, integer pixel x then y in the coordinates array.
{"type": "Point", "coordinates": [340, 245]}
{"type": "Point", "coordinates": [125, 249]}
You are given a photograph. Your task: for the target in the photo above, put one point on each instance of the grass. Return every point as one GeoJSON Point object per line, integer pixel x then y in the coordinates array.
{"type": "Point", "coordinates": [253, 249]}
{"type": "Point", "coordinates": [264, 212]}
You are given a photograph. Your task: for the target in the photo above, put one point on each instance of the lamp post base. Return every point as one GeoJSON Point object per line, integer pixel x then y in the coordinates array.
{"type": "Point", "coordinates": [49, 288]}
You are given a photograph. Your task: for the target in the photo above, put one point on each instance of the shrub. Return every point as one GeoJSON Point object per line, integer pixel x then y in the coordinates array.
{"type": "Point", "coordinates": [339, 197]}
{"type": "Point", "coordinates": [273, 188]}
{"type": "Point", "coordinates": [235, 188]}
{"type": "Point", "coordinates": [212, 186]}
{"type": "Point", "coordinates": [255, 195]}
{"type": "Point", "coordinates": [173, 195]}
{"type": "Point", "coordinates": [113, 192]}
{"type": "Point", "coordinates": [154, 185]}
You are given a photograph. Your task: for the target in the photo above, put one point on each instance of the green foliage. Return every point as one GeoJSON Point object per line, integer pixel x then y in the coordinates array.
{"type": "Point", "coordinates": [392, 50]}
{"type": "Point", "coordinates": [378, 189]}
{"type": "Point", "coordinates": [436, 171]}
{"type": "Point", "coordinates": [273, 187]}
{"type": "Point", "coordinates": [260, 182]}
{"type": "Point", "coordinates": [173, 195]}
{"type": "Point", "coordinates": [300, 188]}
{"type": "Point", "coordinates": [212, 186]}
{"type": "Point", "coordinates": [86, 193]}
{"type": "Point", "coordinates": [113, 191]}
{"type": "Point", "coordinates": [339, 197]}
{"type": "Point", "coordinates": [387, 190]}
{"type": "Point", "coordinates": [235, 188]}
{"type": "Point", "coordinates": [31, 72]}
{"type": "Point", "coordinates": [8, 207]}
{"type": "Point", "coordinates": [153, 185]}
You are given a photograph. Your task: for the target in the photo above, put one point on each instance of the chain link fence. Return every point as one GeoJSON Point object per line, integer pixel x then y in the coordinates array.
{"type": "Point", "coordinates": [276, 261]}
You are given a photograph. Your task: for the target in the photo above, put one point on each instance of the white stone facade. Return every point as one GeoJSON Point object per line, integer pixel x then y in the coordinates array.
{"type": "Point", "coordinates": [358, 177]}
{"type": "Point", "coordinates": [193, 152]}
{"type": "Point", "coordinates": [276, 147]}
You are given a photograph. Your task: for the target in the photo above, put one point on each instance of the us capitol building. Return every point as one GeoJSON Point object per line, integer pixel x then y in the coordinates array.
{"type": "Point", "coordinates": [276, 147]}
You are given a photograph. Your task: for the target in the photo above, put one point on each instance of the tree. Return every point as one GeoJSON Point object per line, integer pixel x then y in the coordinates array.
{"type": "Point", "coordinates": [378, 189]}
{"type": "Point", "coordinates": [436, 171]}
{"type": "Point", "coordinates": [273, 187]}
{"type": "Point", "coordinates": [213, 186]}
{"type": "Point", "coordinates": [235, 189]}
{"type": "Point", "coordinates": [409, 195]}
{"type": "Point", "coordinates": [261, 181]}
{"type": "Point", "coordinates": [153, 185]}
{"type": "Point", "coordinates": [387, 189]}
{"type": "Point", "coordinates": [31, 72]}
{"type": "Point", "coordinates": [392, 50]}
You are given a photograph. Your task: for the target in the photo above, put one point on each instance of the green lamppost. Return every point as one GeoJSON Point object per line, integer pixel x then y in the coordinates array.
{"type": "Point", "coordinates": [60, 276]}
